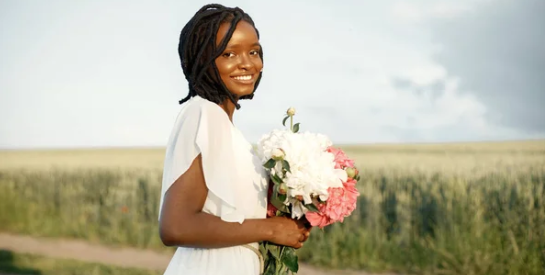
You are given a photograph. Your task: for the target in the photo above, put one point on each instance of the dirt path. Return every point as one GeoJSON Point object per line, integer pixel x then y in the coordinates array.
{"type": "Point", "coordinates": [124, 257]}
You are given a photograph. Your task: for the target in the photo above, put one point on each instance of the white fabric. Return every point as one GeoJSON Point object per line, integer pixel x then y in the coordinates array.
{"type": "Point", "coordinates": [235, 178]}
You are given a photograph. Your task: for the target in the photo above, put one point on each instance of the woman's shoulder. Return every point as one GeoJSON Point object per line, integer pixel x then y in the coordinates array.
{"type": "Point", "coordinates": [199, 107]}
{"type": "Point", "coordinates": [201, 117]}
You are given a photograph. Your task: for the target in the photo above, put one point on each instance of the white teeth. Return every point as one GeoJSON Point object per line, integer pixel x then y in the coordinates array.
{"type": "Point", "coordinates": [245, 77]}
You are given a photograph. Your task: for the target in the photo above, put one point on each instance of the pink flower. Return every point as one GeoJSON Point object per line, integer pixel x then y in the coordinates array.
{"type": "Point", "coordinates": [351, 194]}
{"type": "Point", "coordinates": [341, 159]}
{"type": "Point", "coordinates": [340, 204]}
{"type": "Point", "coordinates": [342, 200]}
{"type": "Point", "coordinates": [271, 210]}
{"type": "Point", "coordinates": [317, 219]}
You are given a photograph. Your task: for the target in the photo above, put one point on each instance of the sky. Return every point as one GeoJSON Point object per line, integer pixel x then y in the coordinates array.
{"type": "Point", "coordinates": [107, 73]}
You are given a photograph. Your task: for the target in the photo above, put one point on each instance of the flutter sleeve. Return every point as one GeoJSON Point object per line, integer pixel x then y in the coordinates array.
{"type": "Point", "coordinates": [204, 129]}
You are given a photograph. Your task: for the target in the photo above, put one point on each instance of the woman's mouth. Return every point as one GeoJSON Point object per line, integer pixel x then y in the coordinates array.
{"type": "Point", "coordinates": [244, 79]}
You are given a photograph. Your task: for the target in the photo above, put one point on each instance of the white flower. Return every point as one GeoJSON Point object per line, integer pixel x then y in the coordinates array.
{"type": "Point", "coordinates": [312, 168]}
{"type": "Point", "coordinates": [298, 210]}
{"type": "Point", "coordinates": [277, 154]}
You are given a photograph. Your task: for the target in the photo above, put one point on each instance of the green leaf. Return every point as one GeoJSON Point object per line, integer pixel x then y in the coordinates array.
{"type": "Point", "coordinates": [311, 207]}
{"type": "Point", "coordinates": [274, 250]}
{"type": "Point", "coordinates": [289, 258]}
{"type": "Point", "coordinates": [278, 203]}
{"type": "Point", "coordinates": [280, 206]}
{"type": "Point", "coordinates": [263, 247]}
{"type": "Point", "coordinates": [284, 121]}
{"type": "Point", "coordinates": [286, 165]}
{"type": "Point", "coordinates": [296, 127]}
{"type": "Point", "coordinates": [282, 197]}
{"type": "Point", "coordinates": [271, 257]}
{"type": "Point", "coordinates": [276, 179]}
{"type": "Point", "coordinates": [270, 164]}
{"type": "Point", "coordinates": [270, 267]}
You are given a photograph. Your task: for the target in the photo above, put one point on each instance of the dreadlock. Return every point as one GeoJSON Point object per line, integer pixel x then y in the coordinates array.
{"type": "Point", "coordinates": [198, 51]}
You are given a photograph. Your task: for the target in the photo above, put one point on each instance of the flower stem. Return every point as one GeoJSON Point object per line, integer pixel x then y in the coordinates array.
{"type": "Point", "coordinates": [280, 264]}
{"type": "Point", "coordinates": [291, 123]}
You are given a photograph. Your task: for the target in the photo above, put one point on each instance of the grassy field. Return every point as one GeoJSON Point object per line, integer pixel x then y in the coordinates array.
{"type": "Point", "coordinates": [475, 208]}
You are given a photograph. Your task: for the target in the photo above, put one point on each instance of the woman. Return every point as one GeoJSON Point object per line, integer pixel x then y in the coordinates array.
{"type": "Point", "coordinates": [213, 203]}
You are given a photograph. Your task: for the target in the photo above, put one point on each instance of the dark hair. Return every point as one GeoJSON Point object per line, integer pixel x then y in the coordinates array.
{"type": "Point", "coordinates": [198, 51]}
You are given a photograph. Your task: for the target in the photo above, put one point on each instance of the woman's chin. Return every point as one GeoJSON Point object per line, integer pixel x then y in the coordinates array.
{"type": "Point", "coordinates": [242, 93]}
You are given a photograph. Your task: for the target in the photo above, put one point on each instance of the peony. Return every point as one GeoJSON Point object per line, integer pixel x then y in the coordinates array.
{"type": "Point", "coordinates": [351, 172]}
{"type": "Point", "coordinates": [312, 169]}
{"type": "Point", "coordinates": [341, 159]}
{"type": "Point", "coordinates": [342, 201]}
{"type": "Point", "coordinates": [277, 154]}
{"type": "Point", "coordinates": [290, 111]}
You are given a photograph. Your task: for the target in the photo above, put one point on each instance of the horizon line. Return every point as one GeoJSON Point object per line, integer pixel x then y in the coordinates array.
{"type": "Point", "coordinates": [155, 147]}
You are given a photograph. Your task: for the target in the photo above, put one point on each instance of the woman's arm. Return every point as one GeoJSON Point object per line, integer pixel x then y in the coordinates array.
{"type": "Point", "coordinates": [183, 223]}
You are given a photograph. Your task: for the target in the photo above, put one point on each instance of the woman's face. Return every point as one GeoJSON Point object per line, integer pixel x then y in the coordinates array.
{"type": "Point", "coordinates": [240, 64]}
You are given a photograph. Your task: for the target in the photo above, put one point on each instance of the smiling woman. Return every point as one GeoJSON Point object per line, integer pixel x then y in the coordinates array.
{"type": "Point", "coordinates": [229, 37]}
{"type": "Point", "coordinates": [240, 65]}
{"type": "Point", "coordinates": [214, 189]}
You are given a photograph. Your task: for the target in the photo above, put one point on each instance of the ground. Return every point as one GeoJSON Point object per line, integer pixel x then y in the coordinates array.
{"type": "Point", "coordinates": [124, 257]}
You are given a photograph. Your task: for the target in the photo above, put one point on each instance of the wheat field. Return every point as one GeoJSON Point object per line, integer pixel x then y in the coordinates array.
{"type": "Point", "coordinates": [467, 208]}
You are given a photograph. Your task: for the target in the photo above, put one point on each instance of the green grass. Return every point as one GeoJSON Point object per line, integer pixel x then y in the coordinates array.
{"type": "Point", "coordinates": [102, 206]}
{"type": "Point", "coordinates": [440, 225]}
{"type": "Point", "coordinates": [466, 209]}
{"type": "Point", "coordinates": [26, 264]}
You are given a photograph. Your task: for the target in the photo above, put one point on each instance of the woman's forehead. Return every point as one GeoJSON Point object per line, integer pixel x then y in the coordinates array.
{"type": "Point", "coordinates": [244, 34]}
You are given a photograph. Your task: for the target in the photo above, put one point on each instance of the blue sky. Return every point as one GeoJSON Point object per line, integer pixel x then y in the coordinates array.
{"type": "Point", "coordinates": [106, 73]}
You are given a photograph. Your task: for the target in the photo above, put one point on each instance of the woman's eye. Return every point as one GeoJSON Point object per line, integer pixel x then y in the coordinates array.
{"type": "Point", "coordinates": [254, 52]}
{"type": "Point", "coordinates": [228, 54]}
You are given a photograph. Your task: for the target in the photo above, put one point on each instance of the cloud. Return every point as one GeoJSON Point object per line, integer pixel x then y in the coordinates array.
{"type": "Point", "coordinates": [416, 11]}
{"type": "Point", "coordinates": [440, 112]}
{"type": "Point", "coordinates": [497, 53]}
{"type": "Point", "coordinates": [434, 90]}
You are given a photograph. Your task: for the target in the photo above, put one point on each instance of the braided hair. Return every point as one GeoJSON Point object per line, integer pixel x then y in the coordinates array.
{"type": "Point", "coordinates": [198, 51]}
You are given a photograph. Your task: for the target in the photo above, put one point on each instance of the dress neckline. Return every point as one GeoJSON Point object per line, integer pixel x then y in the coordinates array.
{"type": "Point", "coordinates": [226, 117]}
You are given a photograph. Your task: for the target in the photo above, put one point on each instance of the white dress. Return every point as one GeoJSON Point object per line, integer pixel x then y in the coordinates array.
{"type": "Point", "coordinates": [235, 178]}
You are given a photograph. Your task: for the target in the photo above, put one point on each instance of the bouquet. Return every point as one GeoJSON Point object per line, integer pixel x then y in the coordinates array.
{"type": "Point", "coordinates": [310, 179]}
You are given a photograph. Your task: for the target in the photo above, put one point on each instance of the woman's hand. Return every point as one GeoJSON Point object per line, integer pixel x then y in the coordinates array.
{"type": "Point", "coordinates": [289, 232]}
